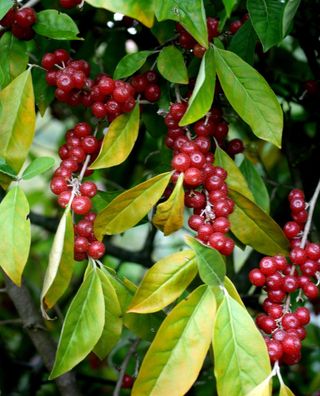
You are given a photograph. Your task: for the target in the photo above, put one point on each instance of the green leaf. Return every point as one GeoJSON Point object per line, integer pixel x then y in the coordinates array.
{"type": "Point", "coordinates": [263, 389]}
{"type": "Point", "coordinates": [5, 7]}
{"type": "Point", "coordinates": [202, 96]}
{"type": "Point", "coordinates": [82, 327]}
{"type": "Point", "coordinates": [56, 25]}
{"type": "Point", "coordinates": [241, 357]}
{"type": "Point", "coordinates": [128, 208]}
{"type": "Point", "coordinates": [13, 58]}
{"type": "Point", "coordinates": [113, 318]}
{"type": "Point", "coordinates": [212, 267]}
{"type": "Point", "coordinates": [119, 140]}
{"type": "Point", "coordinates": [169, 215]}
{"type": "Point", "coordinates": [284, 390]}
{"type": "Point", "coordinates": [61, 263]}
{"type": "Point", "coordinates": [250, 96]}
{"type": "Point", "coordinates": [235, 179]}
{"type": "Point", "coordinates": [131, 63]}
{"type": "Point", "coordinates": [142, 10]}
{"type": "Point", "coordinates": [38, 166]}
{"type": "Point", "coordinates": [6, 169]}
{"type": "Point", "coordinates": [289, 12]}
{"type": "Point", "coordinates": [171, 65]}
{"type": "Point", "coordinates": [266, 18]}
{"type": "Point", "coordinates": [189, 13]}
{"type": "Point", "coordinates": [243, 43]}
{"type": "Point", "coordinates": [44, 93]}
{"type": "Point", "coordinates": [176, 355]}
{"type": "Point", "coordinates": [164, 282]}
{"type": "Point", "coordinates": [232, 291]}
{"type": "Point", "coordinates": [256, 184]}
{"type": "Point", "coordinates": [17, 120]}
{"type": "Point", "coordinates": [15, 234]}
{"type": "Point", "coordinates": [229, 5]}
{"type": "Point", "coordinates": [256, 228]}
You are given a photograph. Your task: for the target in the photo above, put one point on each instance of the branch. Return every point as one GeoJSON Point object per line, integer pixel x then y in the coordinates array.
{"type": "Point", "coordinates": [38, 334]}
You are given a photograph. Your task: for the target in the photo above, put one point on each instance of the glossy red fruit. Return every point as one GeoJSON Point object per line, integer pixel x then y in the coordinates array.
{"type": "Point", "coordinates": [257, 278]}
{"type": "Point", "coordinates": [275, 350]}
{"type": "Point", "coordinates": [89, 189]}
{"type": "Point", "coordinates": [268, 266]}
{"type": "Point", "coordinates": [96, 250]}
{"type": "Point", "coordinates": [193, 177]}
{"type": "Point", "coordinates": [58, 184]}
{"type": "Point", "coordinates": [81, 205]}
{"type": "Point", "coordinates": [127, 381]}
{"type": "Point", "coordinates": [303, 314]}
{"type": "Point", "coordinates": [26, 17]}
{"type": "Point", "coordinates": [81, 244]}
{"type": "Point", "coordinates": [195, 221]}
{"type": "Point", "coordinates": [152, 92]}
{"type": "Point", "coordinates": [64, 198]}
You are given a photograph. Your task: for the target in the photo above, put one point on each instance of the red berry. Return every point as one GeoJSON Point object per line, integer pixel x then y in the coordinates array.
{"type": "Point", "coordinates": [310, 290]}
{"type": "Point", "coordinates": [275, 350]}
{"type": "Point", "coordinates": [303, 314]}
{"type": "Point", "coordinates": [298, 256]}
{"type": "Point", "coordinates": [274, 281]}
{"type": "Point", "coordinates": [221, 224]}
{"type": "Point", "coordinates": [290, 321]}
{"type": "Point", "coordinates": [199, 51]}
{"type": "Point", "coordinates": [64, 198]}
{"type": "Point", "coordinates": [313, 251]}
{"type": "Point", "coordinates": [195, 221]}
{"type": "Point", "coordinates": [195, 199]}
{"type": "Point", "coordinates": [181, 162]}
{"type": "Point", "coordinates": [106, 85]}
{"type": "Point", "coordinates": [90, 144]}
{"type": "Point", "coordinates": [26, 17]}
{"type": "Point", "coordinates": [291, 229]}
{"type": "Point", "coordinates": [81, 244]}
{"type": "Point", "coordinates": [193, 177]}
{"type": "Point", "coordinates": [48, 61]}
{"type": "Point", "coordinates": [290, 284]}
{"type": "Point", "coordinates": [291, 344]}
{"type": "Point", "coordinates": [127, 381]}
{"type": "Point", "coordinates": [81, 205]}
{"type": "Point", "coordinates": [266, 323]}
{"type": "Point", "coordinates": [61, 55]}
{"type": "Point", "coordinates": [58, 184]}
{"type": "Point", "coordinates": [276, 296]}
{"type": "Point", "coordinates": [96, 250]}
{"type": "Point", "coordinates": [152, 92]}
{"type": "Point", "coordinates": [217, 240]}
{"type": "Point", "coordinates": [89, 189]}
{"type": "Point", "coordinates": [235, 26]}
{"type": "Point", "coordinates": [275, 311]}
{"type": "Point", "coordinates": [257, 278]}
{"type": "Point", "coordinates": [84, 228]}
{"type": "Point", "coordinates": [204, 232]}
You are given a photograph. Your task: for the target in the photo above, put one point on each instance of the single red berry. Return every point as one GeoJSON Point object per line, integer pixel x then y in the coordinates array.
{"type": "Point", "coordinates": [309, 267]}
{"type": "Point", "coordinates": [90, 144]}
{"type": "Point", "coordinates": [295, 193]}
{"type": "Point", "coordinates": [290, 284]}
{"type": "Point", "coordinates": [127, 381]}
{"type": "Point", "coordinates": [275, 311]}
{"type": "Point", "coordinates": [281, 262]}
{"type": "Point", "coordinates": [96, 249]}
{"type": "Point", "coordinates": [227, 247]}
{"type": "Point", "coordinates": [297, 204]}
{"type": "Point", "coordinates": [217, 240]}
{"type": "Point", "coordinates": [81, 244]}
{"type": "Point", "coordinates": [291, 229]}
{"type": "Point", "coordinates": [195, 221]}
{"type": "Point", "coordinates": [89, 189]}
{"type": "Point", "coordinates": [181, 162]}
{"type": "Point", "coordinates": [81, 205]}
{"type": "Point", "coordinates": [193, 177]}
{"type": "Point", "coordinates": [64, 198]}
{"type": "Point", "coordinates": [275, 350]}
{"type": "Point", "coordinates": [106, 85]}
{"type": "Point", "coordinates": [257, 278]}
{"type": "Point", "coordinates": [58, 184]}
{"type": "Point", "coordinates": [266, 323]}
{"type": "Point", "coordinates": [310, 290]}
{"type": "Point", "coordinates": [212, 26]}
{"type": "Point", "coordinates": [291, 344]}
{"type": "Point", "coordinates": [26, 17]}
{"type": "Point", "coordinates": [48, 61]}
{"type": "Point", "coordinates": [313, 251]}
{"type": "Point", "coordinates": [152, 92]}
{"type": "Point", "coordinates": [274, 281]}
{"type": "Point", "coordinates": [22, 33]}
{"type": "Point", "coordinates": [199, 51]}
{"type": "Point", "coordinates": [195, 200]}
{"type": "Point", "coordinates": [214, 183]}
{"type": "Point", "coordinates": [298, 256]}
{"type": "Point", "coordinates": [221, 224]}
{"type": "Point", "coordinates": [139, 83]}
{"type": "Point", "coordinates": [63, 172]}
{"type": "Point", "coordinates": [61, 55]}
{"type": "Point", "coordinates": [303, 314]}
{"type": "Point", "coordinates": [84, 228]}
{"type": "Point", "coordinates": [290, 321]}
{"type": "Point", "coordinates": [268, 266]}
{"type": "Point", "coordinates": [276, 296]}
{"type": "Point", "coordinates": [204, 232]}
{"type": "Point", "coordinates": [235, 26]}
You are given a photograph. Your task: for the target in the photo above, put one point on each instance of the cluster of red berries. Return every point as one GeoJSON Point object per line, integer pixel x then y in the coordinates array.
{"type": "Point", "coordinates": [80, 149]}
{"type": "Point", "coordinates": [69, 3]}
{"type": "Point", "coordinates": [106, 97]}
{"type": "Point", "coordinates": [20, 22]}
{"type": "Point", "coordinates": [205, 188]}
{"type": "Point", "coordinates": [280, 278]}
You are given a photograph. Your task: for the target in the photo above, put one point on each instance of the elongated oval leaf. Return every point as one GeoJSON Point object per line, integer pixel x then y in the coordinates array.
{"type": "Point", "coordinates": [228, 5]}
{"type": "Point", "coordinates": [212, 267]}
{"type": "Point", "coordinates": [128, 208]}
{"type": "Point", "coordinates": [243, 43]}
{"type": "Point", "coordinates": [61, 263]}
{"type": "Point", "coordinates": [266, 17]}
{"type": "Point", "coordinates": [250, 96]}
{"type": "Point", "coordinates": [235, 179]}
{"type": "Point", "coordinates": [113, 318]}
{"type": "Point", "coordinates": [202, 96]}
{"type": "Point", "coordinates": [13, 58]}
{"type": "Point", "coordinates": [263, 389]}
{"type": "Point", "coordinates": [6, 169]}
{"type": "Point", "coordinates": [171, 65]}
{"type": "Point", "coordinates": [254, 227]}
{"type": "Point", "coordinates": [232, 291]}
{"type": "Point", "coordinates": [164, 282]}
{"type": "Point", "coordinates": [131, 63]}
{"type": "Point", "coordinates": [17, 120]}
{"type": "Point", "coordinates": [82, 327]}
{"type": "Point", "coordinates": [37, 166]}
{"type": "Point", "coordinates": [289, 12]}
{"type": "Point", "coordinates": [256, 184]}
{"type": "Point", "coordinates": [169, 215]}
{"type": "Point", "coordinates": [284, 390]}
{"type": "Point", "coordinates": [241, 357]}
{"type": "Point", "coordinates": [142, 10]}
{"type": "Point", "coordinates": [56, 25]}
{"type": "Point", "coordinates": [119, 140]}
{"type": "Point", "coordinates": [189, 13]}
{"type": "Point", "coordinates": [15, 234]}
{"type": "Point", "coordinates": [176, 355]}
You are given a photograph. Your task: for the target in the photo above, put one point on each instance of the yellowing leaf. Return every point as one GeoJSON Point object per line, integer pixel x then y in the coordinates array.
{"type": "Point", "coordinates": [82, 327]}
{"type": "Point", "coordinates": [15, 234]}
{"type": "Point", "coordinates": [212, 267]}
{"type": "Point", "coordinates": [61, 262]}
{"type": "Point", "coordinates": [164, 282]}
{"type": "Point", "coordinates": [128, 208]}
{"type": "Point", "coordinates": [254, 227]}
{"type": "Point", "coordinates": [241, 357]}
{"type": "Point", "coordinates": [119, 140]}
{"type": "Point", "coordinates": [169, 214]}
{"type": "Point", "coordinates": [284, 390]}
{"type": "Point", "coordinates": [235, 179]}
{"type": "Point", "coordinates": [113, 318]}
{"type": "Point", "coordinates": [250, 96]}
{"type": "Point", "coordinates": [232, 291]}
{"type": "Point", "coordinates": [176, 355]}
{"type": "Point", "coordinates": [142, 10]}
{"type": "Point", "coordinates": [17, 120]}
{"type": "Point", "coordinates": [263, 389]}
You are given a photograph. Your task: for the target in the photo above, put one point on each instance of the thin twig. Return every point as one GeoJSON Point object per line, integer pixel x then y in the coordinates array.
{"type": "Point", "coordinates": [124, 366]}
{"type": "Point", "coordinates": [11, 321]}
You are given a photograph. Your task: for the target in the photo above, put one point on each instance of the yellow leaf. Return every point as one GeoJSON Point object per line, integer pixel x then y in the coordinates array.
{"type": "Point", "coordinates": [119, 140]}
{"type": "Point", "coordinates": [284, 390]}
{"type": "Point", "coordinates": [263, 389]}
{"type": "Point", "coordinates": [128, 208]}
{"type": "Point", "coordinates": [176, 355]}
{"type": "Point", "coordinates": [17, 120]}
{"type": "Point", "coordinates": [164, 282]}
{"type": "Point", "coordinates": [169, 214]}
{"type": "Point", "coordinates": [233, 292]}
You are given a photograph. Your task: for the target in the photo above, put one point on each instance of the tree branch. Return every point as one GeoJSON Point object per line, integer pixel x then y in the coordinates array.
{"type": "Point", "coordinates": [38, 334]}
